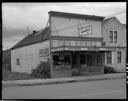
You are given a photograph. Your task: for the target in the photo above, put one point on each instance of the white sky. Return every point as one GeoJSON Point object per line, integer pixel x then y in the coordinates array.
{"type": "Point", "coordinates": [17, 16]}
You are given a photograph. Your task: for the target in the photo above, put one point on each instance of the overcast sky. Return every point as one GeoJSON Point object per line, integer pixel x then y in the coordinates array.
{"type": "Point", "coordinates": [17, 16]}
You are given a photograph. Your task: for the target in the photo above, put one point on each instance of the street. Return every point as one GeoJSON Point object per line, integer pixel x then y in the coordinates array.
{"type": "Point", "coordinates": [102, 89]}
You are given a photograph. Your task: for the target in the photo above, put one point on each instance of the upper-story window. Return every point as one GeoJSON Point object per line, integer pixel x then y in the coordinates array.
{"type": "Point", "coordinates": [113, 36]}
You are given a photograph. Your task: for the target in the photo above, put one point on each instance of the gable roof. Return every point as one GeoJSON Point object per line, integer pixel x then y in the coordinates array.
{"type": "Point", "coordinates": [33, 38]}
{"type": "Point", "coordinates": [76, 15]}
{"type": "Point", "coordinates": [105, 21]}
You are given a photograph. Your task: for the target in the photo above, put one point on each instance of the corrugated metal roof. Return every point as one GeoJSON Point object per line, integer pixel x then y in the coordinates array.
{"type": "Point", "coordinates": [34, 38]}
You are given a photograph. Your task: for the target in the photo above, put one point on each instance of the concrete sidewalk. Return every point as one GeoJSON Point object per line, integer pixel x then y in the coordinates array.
{"type": "Point", "coordinates": [62, 80]}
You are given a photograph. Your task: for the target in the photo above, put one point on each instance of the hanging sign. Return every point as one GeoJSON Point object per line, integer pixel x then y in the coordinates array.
{"type": "Point", "coordinates": [86, 30]}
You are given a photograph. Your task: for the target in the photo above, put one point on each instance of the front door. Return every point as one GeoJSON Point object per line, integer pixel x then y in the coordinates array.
{"type": "Point", "coordinates": [74, 64]}
{"type": "Point", "coordinates": [89, 60]}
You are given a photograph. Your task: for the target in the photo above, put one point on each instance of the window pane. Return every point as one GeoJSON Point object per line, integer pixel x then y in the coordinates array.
{"type": "Point", "coordinates": [82, 59]}
{"type": "Point", "coordinates": [115, 36]}
{"type": "Point", "coordinates": [109, 57]}
{"type": "Point", "coordinates": [61, 42]}
{"type": "Point", "coordinates": [111, 36]}
{"type": "Point", "coordinates": [118, 57]}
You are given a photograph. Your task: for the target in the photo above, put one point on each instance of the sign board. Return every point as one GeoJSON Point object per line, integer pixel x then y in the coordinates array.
{"type": "Point", "coordinates": [44, 52]}
{"type": "Point", "coordinates": [85, 30]}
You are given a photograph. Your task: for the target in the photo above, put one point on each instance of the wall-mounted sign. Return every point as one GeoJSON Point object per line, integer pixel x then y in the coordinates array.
{"type": "Point", "coordinates": [85, 30]}
{"type": "Point", "coordinates": [44, 52]}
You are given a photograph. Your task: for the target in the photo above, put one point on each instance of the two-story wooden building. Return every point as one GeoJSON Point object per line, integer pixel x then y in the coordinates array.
{"type": "Point", "coordinates": [75, 44]}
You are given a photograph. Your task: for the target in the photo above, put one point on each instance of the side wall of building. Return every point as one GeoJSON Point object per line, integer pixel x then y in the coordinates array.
{"type": "Point", "coordinates": [28, 56]}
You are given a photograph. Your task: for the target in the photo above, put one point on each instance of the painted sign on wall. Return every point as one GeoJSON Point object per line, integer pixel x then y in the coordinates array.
{"type": "Point", "coordinates": [85, 30]}
{"type": "Point", "coordinates": [44, 52]}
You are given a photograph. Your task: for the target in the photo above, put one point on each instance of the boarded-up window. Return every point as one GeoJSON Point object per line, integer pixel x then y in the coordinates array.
{"type": "Point", "coordinates": [118, 57]}
{"type": "Point", "coordinates": [109, 57]}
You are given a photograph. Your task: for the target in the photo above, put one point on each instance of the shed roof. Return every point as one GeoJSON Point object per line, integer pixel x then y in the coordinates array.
{"type": "Point", "coordinates": [41, 35]}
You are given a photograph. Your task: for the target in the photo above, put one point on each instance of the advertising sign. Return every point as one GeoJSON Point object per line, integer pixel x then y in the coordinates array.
{"type": "Point", "coordinates": [44, 52]}
{"type": "Point", "coordinates": [86, 30]}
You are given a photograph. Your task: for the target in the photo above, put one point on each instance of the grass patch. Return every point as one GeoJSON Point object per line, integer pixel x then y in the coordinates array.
{"type": "Point", "coordinates": [7, 75]}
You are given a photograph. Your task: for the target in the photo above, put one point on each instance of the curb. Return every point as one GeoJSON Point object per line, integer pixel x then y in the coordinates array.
{"type": "Point", "coordinates": [70, 80]}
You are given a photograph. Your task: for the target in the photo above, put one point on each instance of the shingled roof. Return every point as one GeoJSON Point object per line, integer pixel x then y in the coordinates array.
{"type": "Point", "coordinates": [34, 38]}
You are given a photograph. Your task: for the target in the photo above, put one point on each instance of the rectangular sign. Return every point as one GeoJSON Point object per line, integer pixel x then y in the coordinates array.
{"type": "Point", "coordinates": [44, 52]}
{"type": "Point", "coordinates": [86, 30]}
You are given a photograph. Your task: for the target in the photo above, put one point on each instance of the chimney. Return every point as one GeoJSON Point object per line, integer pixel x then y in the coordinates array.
{"type": "Point", "coordinates": [34, 31]}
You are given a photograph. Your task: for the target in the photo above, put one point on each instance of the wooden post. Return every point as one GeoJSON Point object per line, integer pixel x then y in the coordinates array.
{"type": "Point", "coordinates": [51, 56]}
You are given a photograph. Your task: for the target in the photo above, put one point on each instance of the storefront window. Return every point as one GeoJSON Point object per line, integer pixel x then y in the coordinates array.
{"type": "Point", "coordinates": [82, 59]}
{"type": "Point", "coordinates": [59, 60]}
{"type": "Point", "coordinates": [99, 60]}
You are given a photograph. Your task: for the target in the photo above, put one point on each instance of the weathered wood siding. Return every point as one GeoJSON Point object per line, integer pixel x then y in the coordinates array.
{"type": "Point", "coordinates": [64, 26]}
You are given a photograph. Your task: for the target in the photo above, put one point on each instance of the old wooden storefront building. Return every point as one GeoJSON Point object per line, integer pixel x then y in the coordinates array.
{"type": "Point", "coordinates": [75, 44]}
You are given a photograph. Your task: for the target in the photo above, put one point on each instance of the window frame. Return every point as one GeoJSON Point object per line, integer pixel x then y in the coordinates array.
{"type": "Point", "coordinates": [109, 58]}
{"type": "Point", "coordinates": [17, 61]}
{"type": "Point", "coordinates": [113, 36]}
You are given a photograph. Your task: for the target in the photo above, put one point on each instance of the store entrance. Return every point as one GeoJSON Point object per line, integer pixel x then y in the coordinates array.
{"type": "Point", "coordinates": [75, 64]}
